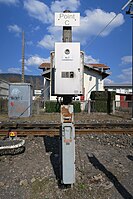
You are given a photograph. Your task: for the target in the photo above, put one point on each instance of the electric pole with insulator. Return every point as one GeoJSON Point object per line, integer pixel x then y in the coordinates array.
{"type": "Point", "coordinates": [130, 12]}
{"type": "Point", "coordinates": [23, 50]}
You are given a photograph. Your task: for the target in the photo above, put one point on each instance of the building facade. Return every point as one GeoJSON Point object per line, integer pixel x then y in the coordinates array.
{"type": "Point", "coordinates": [94, 75]}
{"type": "Point", "coordinates": [123, 94]}
{"type": "Point", "coordinates": [4, 89]}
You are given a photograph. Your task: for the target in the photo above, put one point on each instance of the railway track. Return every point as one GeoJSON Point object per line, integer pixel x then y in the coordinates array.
{"type": "Point", "coordinates": [52, 129]}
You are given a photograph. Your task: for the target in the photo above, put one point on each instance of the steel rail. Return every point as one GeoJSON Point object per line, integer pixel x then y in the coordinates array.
{"type": "Point", "coordinates": [57, 125]}
{"type": "Point", "coordinates": [54, 132]}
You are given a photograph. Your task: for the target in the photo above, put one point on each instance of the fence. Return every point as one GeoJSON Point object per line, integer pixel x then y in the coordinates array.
{"type": "Point", "coordinates": [124, 106]}
{"type": "Point", "coordinates": [121, 106]}
{"type": "Point", "coordinates": [86, 106]}
{"type": "Point", "coordinates": [37, 106]}
{"type": "Point", "coordinates": [3, 105]}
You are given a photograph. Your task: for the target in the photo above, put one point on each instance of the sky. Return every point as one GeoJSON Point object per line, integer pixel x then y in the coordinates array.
{"type": "Point", "coordinates": [36, 18]}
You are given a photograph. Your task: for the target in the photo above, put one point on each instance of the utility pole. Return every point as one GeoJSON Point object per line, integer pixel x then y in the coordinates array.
{"type": "Point", "coordinates": [130, 12]}
{"type": "Point", "coordinates": [67, 37]}
{"type": "Point", "coordinates": [23, 51]}
{"type": "Point", "coordinates": [67, 31]}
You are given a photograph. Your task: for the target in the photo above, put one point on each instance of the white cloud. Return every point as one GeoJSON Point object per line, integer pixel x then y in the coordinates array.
{"type": "Point", "coordinates": [126, 75]}
{"type": "Point", "coordinates": [60, 6]}
{"type": "Point", "coordinates": [29, 43]}
{"type": "Point", "coordinates": [35, 60]}
{"type": "Point", "coordinates": [126, 60]}
{"type": "Point", "coordinates": [108, 81]}
{"type": "Point", "coordinates": [94, 21]}
{"type": "Point", "coordinates": [36, 28]}
{"type": "Point", "coordinates": [15, 29]}
{"type": "Point", "coordinates": [47, 42]}
{"type": "Point", "coordinates": [38, 10]}
{"type": "Point", "coordinates": [45, 14]}
{"type": "Point", "coordinates": [17, 70]}
{"type": "Point", "coordinates": [0, 71]}
{"type": "Point", "coordinates": [14, 70]}
{"type": "Point", "coordinates": [90, 25]}
{"type": "Point", "coordinates": [9, 2]}
{"type": "Point", "coordinates": [90, 59]}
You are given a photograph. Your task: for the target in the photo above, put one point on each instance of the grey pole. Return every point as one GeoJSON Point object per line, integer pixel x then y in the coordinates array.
{"type": "Point", "coordinates": [130, 12]}
{"type": "Point", "coordinates": [23, 49]}
{"type": "Point", "coordinates": [132, 65]}
{"type": "Point", "coordinates": [67, 37]}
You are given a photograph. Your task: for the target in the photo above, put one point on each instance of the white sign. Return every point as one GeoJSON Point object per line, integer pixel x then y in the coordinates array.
{"type": "Point", "coordinates": [67, 19]}
{"type": "Point", "coordinates": [37, 92]}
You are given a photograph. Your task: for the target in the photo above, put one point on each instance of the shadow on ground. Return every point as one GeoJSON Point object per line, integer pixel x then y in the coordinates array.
{"type": "Point", "coordinates": [120, 188]}
{"type": "Point", "coordinates": [130, 157]}
{"type": "Point", "coordinates": [52, 146]}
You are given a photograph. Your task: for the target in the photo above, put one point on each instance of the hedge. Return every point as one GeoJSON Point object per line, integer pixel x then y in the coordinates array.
{"type": "Point", "coordinates": [77, 106]}
{"type": "Point", "coordinates": [103, 101]}
{"type": "Point", "coordinates": [53, 106]}
{"type": "Point", "coordinates": [99, 95]}
{"type": "Point", "coordinates": [103, 95]}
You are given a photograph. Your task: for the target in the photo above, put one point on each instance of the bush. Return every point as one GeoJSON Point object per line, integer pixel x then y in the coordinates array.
{"type": "Point", "coordinates": [101, 106]}
{"type": "Point", "coordinates": [103, 100]}
{"type": "Point", "coordinates": [76, 106]}
{"type": "Point", "coordinates": [99, 95]}
{"type": "Point", "coordinates": [52, 106]}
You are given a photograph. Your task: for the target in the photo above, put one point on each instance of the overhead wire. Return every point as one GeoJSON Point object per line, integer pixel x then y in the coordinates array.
{"type": "Point", "coordinates": [103, 29]}
{"type": "Point", "coordinates": [100, 32]}
{"type": "Point", "coordinates": [32, 102]}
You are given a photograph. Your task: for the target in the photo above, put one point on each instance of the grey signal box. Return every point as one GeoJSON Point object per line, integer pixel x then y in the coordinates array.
{"type": "Point", "coordinates": [67, 69]}
{"type": "Point", "coordinates": [20, 100]}
{"type": "Point", "coordinates": [67, 152]}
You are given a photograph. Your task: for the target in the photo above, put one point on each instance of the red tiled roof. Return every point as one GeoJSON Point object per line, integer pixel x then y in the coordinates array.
{"type": "Point", "coordinates": [99, 66]}
{"type": "Point", "coordinates": [44, 65]}
{"type": "Point", "coordinates": [47, 66]}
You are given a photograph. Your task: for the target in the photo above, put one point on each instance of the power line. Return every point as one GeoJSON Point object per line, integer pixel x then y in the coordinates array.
{"type": "Point", "coordinates": [32, 103]}
{"type": "Point", "coordinates": [103, 29]}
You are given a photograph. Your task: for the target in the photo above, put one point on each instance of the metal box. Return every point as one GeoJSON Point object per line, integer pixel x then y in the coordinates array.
{"type": "Point", "coordinates": [67, 150]}
{"type": "Point", "coordinates": [20, 99]}
{"type": "Point", "coordinates": [67, 69]}
{"type": "Point", "coordinates": [68, 153]}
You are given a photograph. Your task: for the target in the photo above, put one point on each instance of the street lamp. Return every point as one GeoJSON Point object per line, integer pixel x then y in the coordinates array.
{"type": "Point", "coordinates": [130, 12]}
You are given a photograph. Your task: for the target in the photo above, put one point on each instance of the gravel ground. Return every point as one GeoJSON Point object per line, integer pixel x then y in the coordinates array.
{"type": "Point", "coordinates": [104, 165]}
{"type": "Point", "coordinates": [103, 169]}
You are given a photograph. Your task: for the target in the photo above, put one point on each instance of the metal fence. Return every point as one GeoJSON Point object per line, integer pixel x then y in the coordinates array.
{"type": "Point", "coordinates": [37, 106]}
{"type": "Point", "coordinates": [3, 105]}
{"type": "Point", "coordinates": [86, 106]}
{"type": "Point", "coordinates": [121, 106]}
{"type": "Point", "coordinates": [124, 106]}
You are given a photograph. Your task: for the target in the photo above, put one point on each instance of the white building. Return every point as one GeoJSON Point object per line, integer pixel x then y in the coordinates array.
{"type": "Point", "coordinates": [123, 94]}
{"type": "Point", "coordinates": [94, 75]}
{"type": "Point", "coordinates": [4, 89]}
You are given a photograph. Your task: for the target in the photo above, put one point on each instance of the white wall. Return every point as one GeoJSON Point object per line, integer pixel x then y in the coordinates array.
{"type": "Point", "coordinates": [46, 93]}
{"type": "Point", "coordinates": [4, 88]}
{"type": "Point", "coordinates": [92, 82]}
